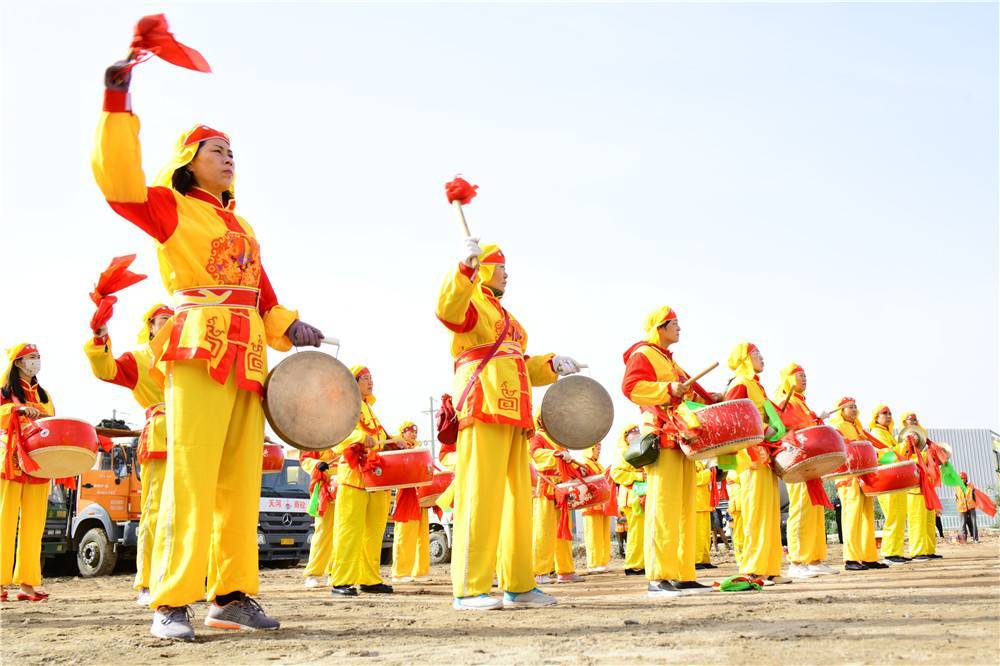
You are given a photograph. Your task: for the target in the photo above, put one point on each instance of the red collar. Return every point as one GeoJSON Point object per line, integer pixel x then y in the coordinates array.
{"type": "Point", "coordinates": [202, 195]}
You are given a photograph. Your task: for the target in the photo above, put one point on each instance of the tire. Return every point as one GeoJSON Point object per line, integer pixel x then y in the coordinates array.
{"type": "Point", "coordinates": [95, 555]}
{"type": "Point", "coordinates": [440, 552]}
{"type": "Point", "coordinates": [284, 564]}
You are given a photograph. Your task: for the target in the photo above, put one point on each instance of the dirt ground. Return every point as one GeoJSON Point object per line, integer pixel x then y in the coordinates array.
{"type": "Point", "coordinates": [939, 612]}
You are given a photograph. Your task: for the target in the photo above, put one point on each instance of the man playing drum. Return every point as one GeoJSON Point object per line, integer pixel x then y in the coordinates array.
{"type": "Point", "coordinates": [597, 520]}
{"type": "Point", "coordinates": [411, 556]}
{"type": "Point", "coordinates": [920, 530]}
{"type": "Point", "coordinates": [631, 498]}
{"type": "Point", "coordinates": [806, 526]}
{"type": "Point", "coordinates": [858, 510]}
{"type": "Point", "coordinates": [132, 371]}
{"type": "Point", "coordinates": [321, 466]}
{"type": "Point", "coordinates": [552, 537]}
{"type": "Point", "coordinates": [655, 382]}
{"type": "Point", "coordinates": [893, 504]}
{"type": "Point", "coordinates": [493, 379]}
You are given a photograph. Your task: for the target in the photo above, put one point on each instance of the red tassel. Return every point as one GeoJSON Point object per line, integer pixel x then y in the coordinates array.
{"type": "Point", "coordinates": [356, 456]}
{"type": "Point", "coordinates": [931, 500]}
{"type": "Point", "coordinates": [983, 502]}
{"type": "Point", "coordinates": [325, 495]}
{"type": "Point", "coordinates": [564, 532]}
{"type": "Point", "coordinates": [611, 508]}
{"type": "Point", "coordinates": [153, 36]}
{"type": "Point", "coordinates": [713, 489]}
{"type": "Point", "coordinates": [817, 493]}
{"type": "Point", "coordinates": [724, 490]}
{"type": "Point", "coordinates": [112, 279]}
{"type": "Point", "coordinates": [460, 190]}
{"type": "Point", "coordinates": [67, 482]}
{"type": "Point", "coordinates": [407, 506]}
{"type": "Point", "coordinates": [16, 450]}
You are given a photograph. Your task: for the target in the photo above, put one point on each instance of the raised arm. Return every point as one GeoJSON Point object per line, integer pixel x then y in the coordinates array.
{"type": "Point", "coordinates": [121, 371]}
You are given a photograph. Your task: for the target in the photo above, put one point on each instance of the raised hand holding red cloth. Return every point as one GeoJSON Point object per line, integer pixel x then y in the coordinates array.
{"type": "Point", "coordinates": [113, 279]}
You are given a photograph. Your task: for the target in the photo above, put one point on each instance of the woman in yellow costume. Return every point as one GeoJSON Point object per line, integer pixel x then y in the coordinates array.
{"type": "Point", "coordinates": [761, 501]}
{"type": "Point", "coordinates": [411, 554]}
{"type": "Point", "coordinates": [806, 526]}
{"type": "Point", "coordinates": [597, 520]}
{"type": "Point", "coordinates": [131, 370]}
{"type": "Point", "coordinates": [552, 536]}
{"type": "Point", "coordinates": [705, 477]}
{"type": "Point", "coordinates": [893, 505]}
{"type": "Point", "coordinates": [631, 498]}
{"type": "Point", "coordinates": [920, 530]}
{"type": "Point", "coordinates": [493, 379]}
{"type": "Point", "coordinates": [655, 382]}
{"type": "Point", "coordinates": [359, 516]}
{"type": "Point", "coordinates": [735, 510]}
{"type": "Point", "coordinates": [213, 359]}
{"type": "Point", "coordinates": [23, 498]}
{"type": "Point", "coordinates": [321, 466]}
{"type": "Point", "coordinates": [857, 509]}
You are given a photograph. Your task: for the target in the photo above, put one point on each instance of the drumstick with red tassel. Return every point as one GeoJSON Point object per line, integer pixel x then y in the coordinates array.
{"type": "Point", "coordinates": [460, 192]}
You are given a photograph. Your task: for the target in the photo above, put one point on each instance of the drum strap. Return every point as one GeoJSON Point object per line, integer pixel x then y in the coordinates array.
{"type": "Point", "coordinates": [482, 364]}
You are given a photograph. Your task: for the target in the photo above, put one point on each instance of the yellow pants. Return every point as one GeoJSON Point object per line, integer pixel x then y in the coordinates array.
{"type": "Point", "coordinates": [703, 539]}
{"type": "Point", "coordinates": [921, 529]}
{"type": "Point", "coordinates": [597, 536]}
{"type": "Point", "coordinates": [806, 527]}
{"type": "Point", "coordinates": [548, 550]}
{"type": "Point", "coordinates": [152, 472]}
{"type": "Point", "coordinates": [492, 510]}
{"type": "Point", "coordinates": [411, 549]}
{"type": "Point", "coordinates": [761, 506]}
{"type": "Point", "coordinates": [670, 538]}
{"type": "Point", "coordinates": [894, 510]}
{"type": "Point", "coordinates": [321, 548]}
{"type": "Point", "coordinates": [359, 521]}
{"type": "Point", "coordinates": [22, 540]}
{"type": "Point", "coordinates": [211, 489]}
{"type": "Point", "coordinates": [736, 524]}
{"type": "Point", "coordinates": [635, 522]}
{"type": "Point", "coordinates": [857, 520]}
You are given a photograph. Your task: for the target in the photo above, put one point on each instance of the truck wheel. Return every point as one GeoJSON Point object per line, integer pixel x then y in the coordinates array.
{"type": "Point", "coordinates": [95, 556]}
{"type": "Point", "coordinates": [440, 553]}
{"type": "Point", "coordinates": [284, 564]}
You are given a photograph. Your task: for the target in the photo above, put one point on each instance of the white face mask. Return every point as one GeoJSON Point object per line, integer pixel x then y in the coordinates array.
{"type": "Point", "coordinates": [30, 367]}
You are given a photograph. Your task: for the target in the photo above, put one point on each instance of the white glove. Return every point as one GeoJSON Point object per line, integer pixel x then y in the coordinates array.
{"type": "Point", "coordinates": [470, 251]}
{"type": "Point", "coordinates": [564, 365]}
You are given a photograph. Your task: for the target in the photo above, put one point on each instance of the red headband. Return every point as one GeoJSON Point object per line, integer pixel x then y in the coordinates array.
{"type": "Point", "coordinates": [845, 401]}
{"type": "Point", "coordinates": [495, 257]}
{"type": "Point", "coordinates": [751, 348]}
{"type": "Point", "coordinates": [25, 350]}
{"type": "Point", "coordinates": [410, 427]}
{"type": "Point", "coordinates": [362, 370]}
{"type": "Point", "coordinates": [162, 310]}
{"type": "Point", "coordinates": [204, 133]}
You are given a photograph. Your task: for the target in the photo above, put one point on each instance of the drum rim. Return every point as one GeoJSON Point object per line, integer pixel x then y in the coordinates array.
{"type": "Point", "coordinates": [396, 452]}
{"type": "Point", "coordinates": [49, 419]}
{"type": "Point", "coordinates": [810, 459]}
{"type": "Point", "coordinates": [396, 486]}
{"type": "Point", "coordinates": [592, 476]}
{"type": "Point", "coordinates": [894, 465]}
{"type": "Point", "coordinates": [889, 492]}
{"type": "Point", "coordinates": [729, 402]}
{"type": "Point", "coordinates": [842, 475]}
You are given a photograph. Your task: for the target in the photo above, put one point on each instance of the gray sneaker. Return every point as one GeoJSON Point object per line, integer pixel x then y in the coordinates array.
{"type": "Point", "coordinates": [173, 623]}
{"type": "Point", "coordinates": [242, 613]}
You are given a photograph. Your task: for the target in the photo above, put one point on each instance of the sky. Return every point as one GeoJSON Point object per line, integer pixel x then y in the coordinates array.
{"type": "Point", "coordinates": [819, 179]}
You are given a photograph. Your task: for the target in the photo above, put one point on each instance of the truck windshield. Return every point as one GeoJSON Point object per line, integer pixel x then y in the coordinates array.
{"type": "Point", "coordinates": [290, 479]}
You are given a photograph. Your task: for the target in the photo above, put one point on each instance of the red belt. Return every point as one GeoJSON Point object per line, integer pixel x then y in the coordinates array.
{"type": "Point", "coordinates": [209, 297]}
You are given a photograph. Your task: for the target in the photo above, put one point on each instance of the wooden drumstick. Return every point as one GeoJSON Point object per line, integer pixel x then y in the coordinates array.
{"type": "Point", "coordinates": [457, 205]}
{"type": "Point", "coordinates": [689, 383]}
{"type": "Point", "coordinates": [331, 341]}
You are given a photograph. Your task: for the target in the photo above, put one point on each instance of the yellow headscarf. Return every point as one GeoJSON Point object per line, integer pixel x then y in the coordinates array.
{"type": "Point", "coordinates": [739, 360]}
{"type": "Point", "coordinates": [357, 371]}
{"type": "Point", "coordinates": [902, 421]}
{"type": "Point", "coordinates": [490, 257]}
{"type": "Point", "coordinates": [622, 441]}
{"type": "Point", "coordinates": [184, 151]}
{"type": "Point", "coordinates": [874, 422]}
{"type": "Point", "coordinates": [838, 416]}
{"type": "Point", "coordinates": [147, 320]}
{"type": "Point", "coordinates": [406, 425]}
{"type": "Point", "coordinates": [656, 319]}
{"type": "Point", "coordinates": [13, 353]}
{"type": "Point", "coordinates": [786, 381]}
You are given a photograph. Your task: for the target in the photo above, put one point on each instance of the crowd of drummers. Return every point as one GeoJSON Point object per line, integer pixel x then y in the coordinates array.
{"type": "Point", "coordinates": [199, 368]}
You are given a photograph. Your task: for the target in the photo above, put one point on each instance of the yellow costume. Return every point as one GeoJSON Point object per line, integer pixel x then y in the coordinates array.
{"type": "Point", "coordinates": [23, 498]}
{"type": "Point", "coordinates": [735, 513]}
{"type": "Point", "coordinates": [894, 504]}
{"type": "Point", "coordinates": [669, 532]}
{"type": "Point", "coordinates": [920, 521]}
{"type": "Point", "coordinates": [547, 548]}
{"type": "Point", "coordinates": [212, 355]}
{"type": "Point", "coordinates": [411, 554]}
{"type": "Point", "coordinates": [131, 370]}
{"type": "Point", "coordinates": [703, 507]}
{"type": "Point", "coordinates": [631, 498]}
{"type": "Point", "coordinates": [761, 501]}
{"type": "Point", "coordinates": [857, 510]}
{"type": "Point", "coordinates": [359, 516]}
{"type": "Point", "coordinates": [492, 495]}
{"type": "Point", "coordinates": [596, 522]}
{"type": "Point", "coordinates": [321, 547]}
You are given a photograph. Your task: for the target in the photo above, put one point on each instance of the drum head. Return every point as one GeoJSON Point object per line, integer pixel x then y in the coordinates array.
{"type": "Point", "coordinates": [312, 400]}
{"type": "Point", "coordinates": [577, 412]}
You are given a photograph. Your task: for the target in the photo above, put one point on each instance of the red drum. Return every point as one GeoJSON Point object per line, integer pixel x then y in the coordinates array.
{"type": "Point", "coordinates": [892, 478]}
{"type": "Point", "coordinates": [409, 468]}
{"type": "Point", "coordinates": [726, 427]}
{"type": "Point", "coordinates": [428, 495]}
{"type": "Point", "coordinates": [61, 447]}
{"type": "Point", "coordinates": [595, 491]}
{"type": "Point", "coordinates": [809, 454]}
{"type": "Point", "coordinates": [861, 459]}
{"type": "Point", "coordinates": [274, 458]}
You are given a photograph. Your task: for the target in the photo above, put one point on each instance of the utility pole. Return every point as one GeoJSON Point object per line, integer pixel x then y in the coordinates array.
{"type": "Point", "coordinates": [433, 437]}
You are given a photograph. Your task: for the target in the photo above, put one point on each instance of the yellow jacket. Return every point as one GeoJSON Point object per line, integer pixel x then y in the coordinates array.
{"type": "Point", "coordinates": [209, 259]}
{"type": "Point", "coordinates": [624, 474]}
{"type": "Point", "coordinates": [964, 500]}
{"type": "Point", "coordinates": [502, 392]}
{"type": "Point", "coordinates": [7, 406]}
{"type": "Point", "coordinates": [368, 426]}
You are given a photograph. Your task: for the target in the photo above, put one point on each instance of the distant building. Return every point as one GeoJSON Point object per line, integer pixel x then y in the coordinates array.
{"type": "Point", "coordinates": [977, 452]}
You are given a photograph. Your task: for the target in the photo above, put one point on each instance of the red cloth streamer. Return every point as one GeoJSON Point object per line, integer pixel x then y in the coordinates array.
{"type": "Point", "coordinates": [724, 490]}
{"type": "Point", "coordinates": [325, 496]}
{"type": "Point", "coordinates": [983, 502]}
{"type": "Point", "coordinates": [152, 35]}
{"type": "Point", "coordinates": [17, 454]}
{"type": "Point", "coordinates": [407, 506]}
{"type": "Point", "coordinates": [931, 500]}
{"type": "Point", "coordinates": [713, 489]}
{"type": "Point", "coordinates": [67, 482]}
{"type": "Point", "coordinates": [113, 279]}
{"type": "Point", "coordinates": [611, 508]}
{"type": "Point", "coordinates": [446, 424]}
{"type": "Point", "coordinates": [460, 190]}
{"type": "Point", "coordinates": [817, 494]}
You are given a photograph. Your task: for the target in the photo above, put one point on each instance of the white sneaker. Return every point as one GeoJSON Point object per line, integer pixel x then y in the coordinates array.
{"type": "Point", "coordinates": [544, 579]}
{"type": "Point", "coordinates": [569, 578]}
{"type": "Point", "coordinates": [144, 597]}
{"type": "Point", "coordinates": [888, 563]}
{"type": "Point", "coordinates": [422, 579]}
{"type": "Point", "coordinates": [662, 589]}
{"type": "Point", "coordinates": [478, 602]}
{"type": "Point", "coordinates": [314, 582]}
{"type": "Point", "coordinates": [823, 569]}
{"type": "Point", "coordinates": [801, 571]}
{"type": "Point", "coordinates": [768, 582]}
{"type": "Point", "coordinates": [402, 579]}
{"type": "Point", "coordinates": [600, 569]}
{"type": "Point", "coordinates": [779, 580]}
{"type": "Point", "coordinates": [532, 598]}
